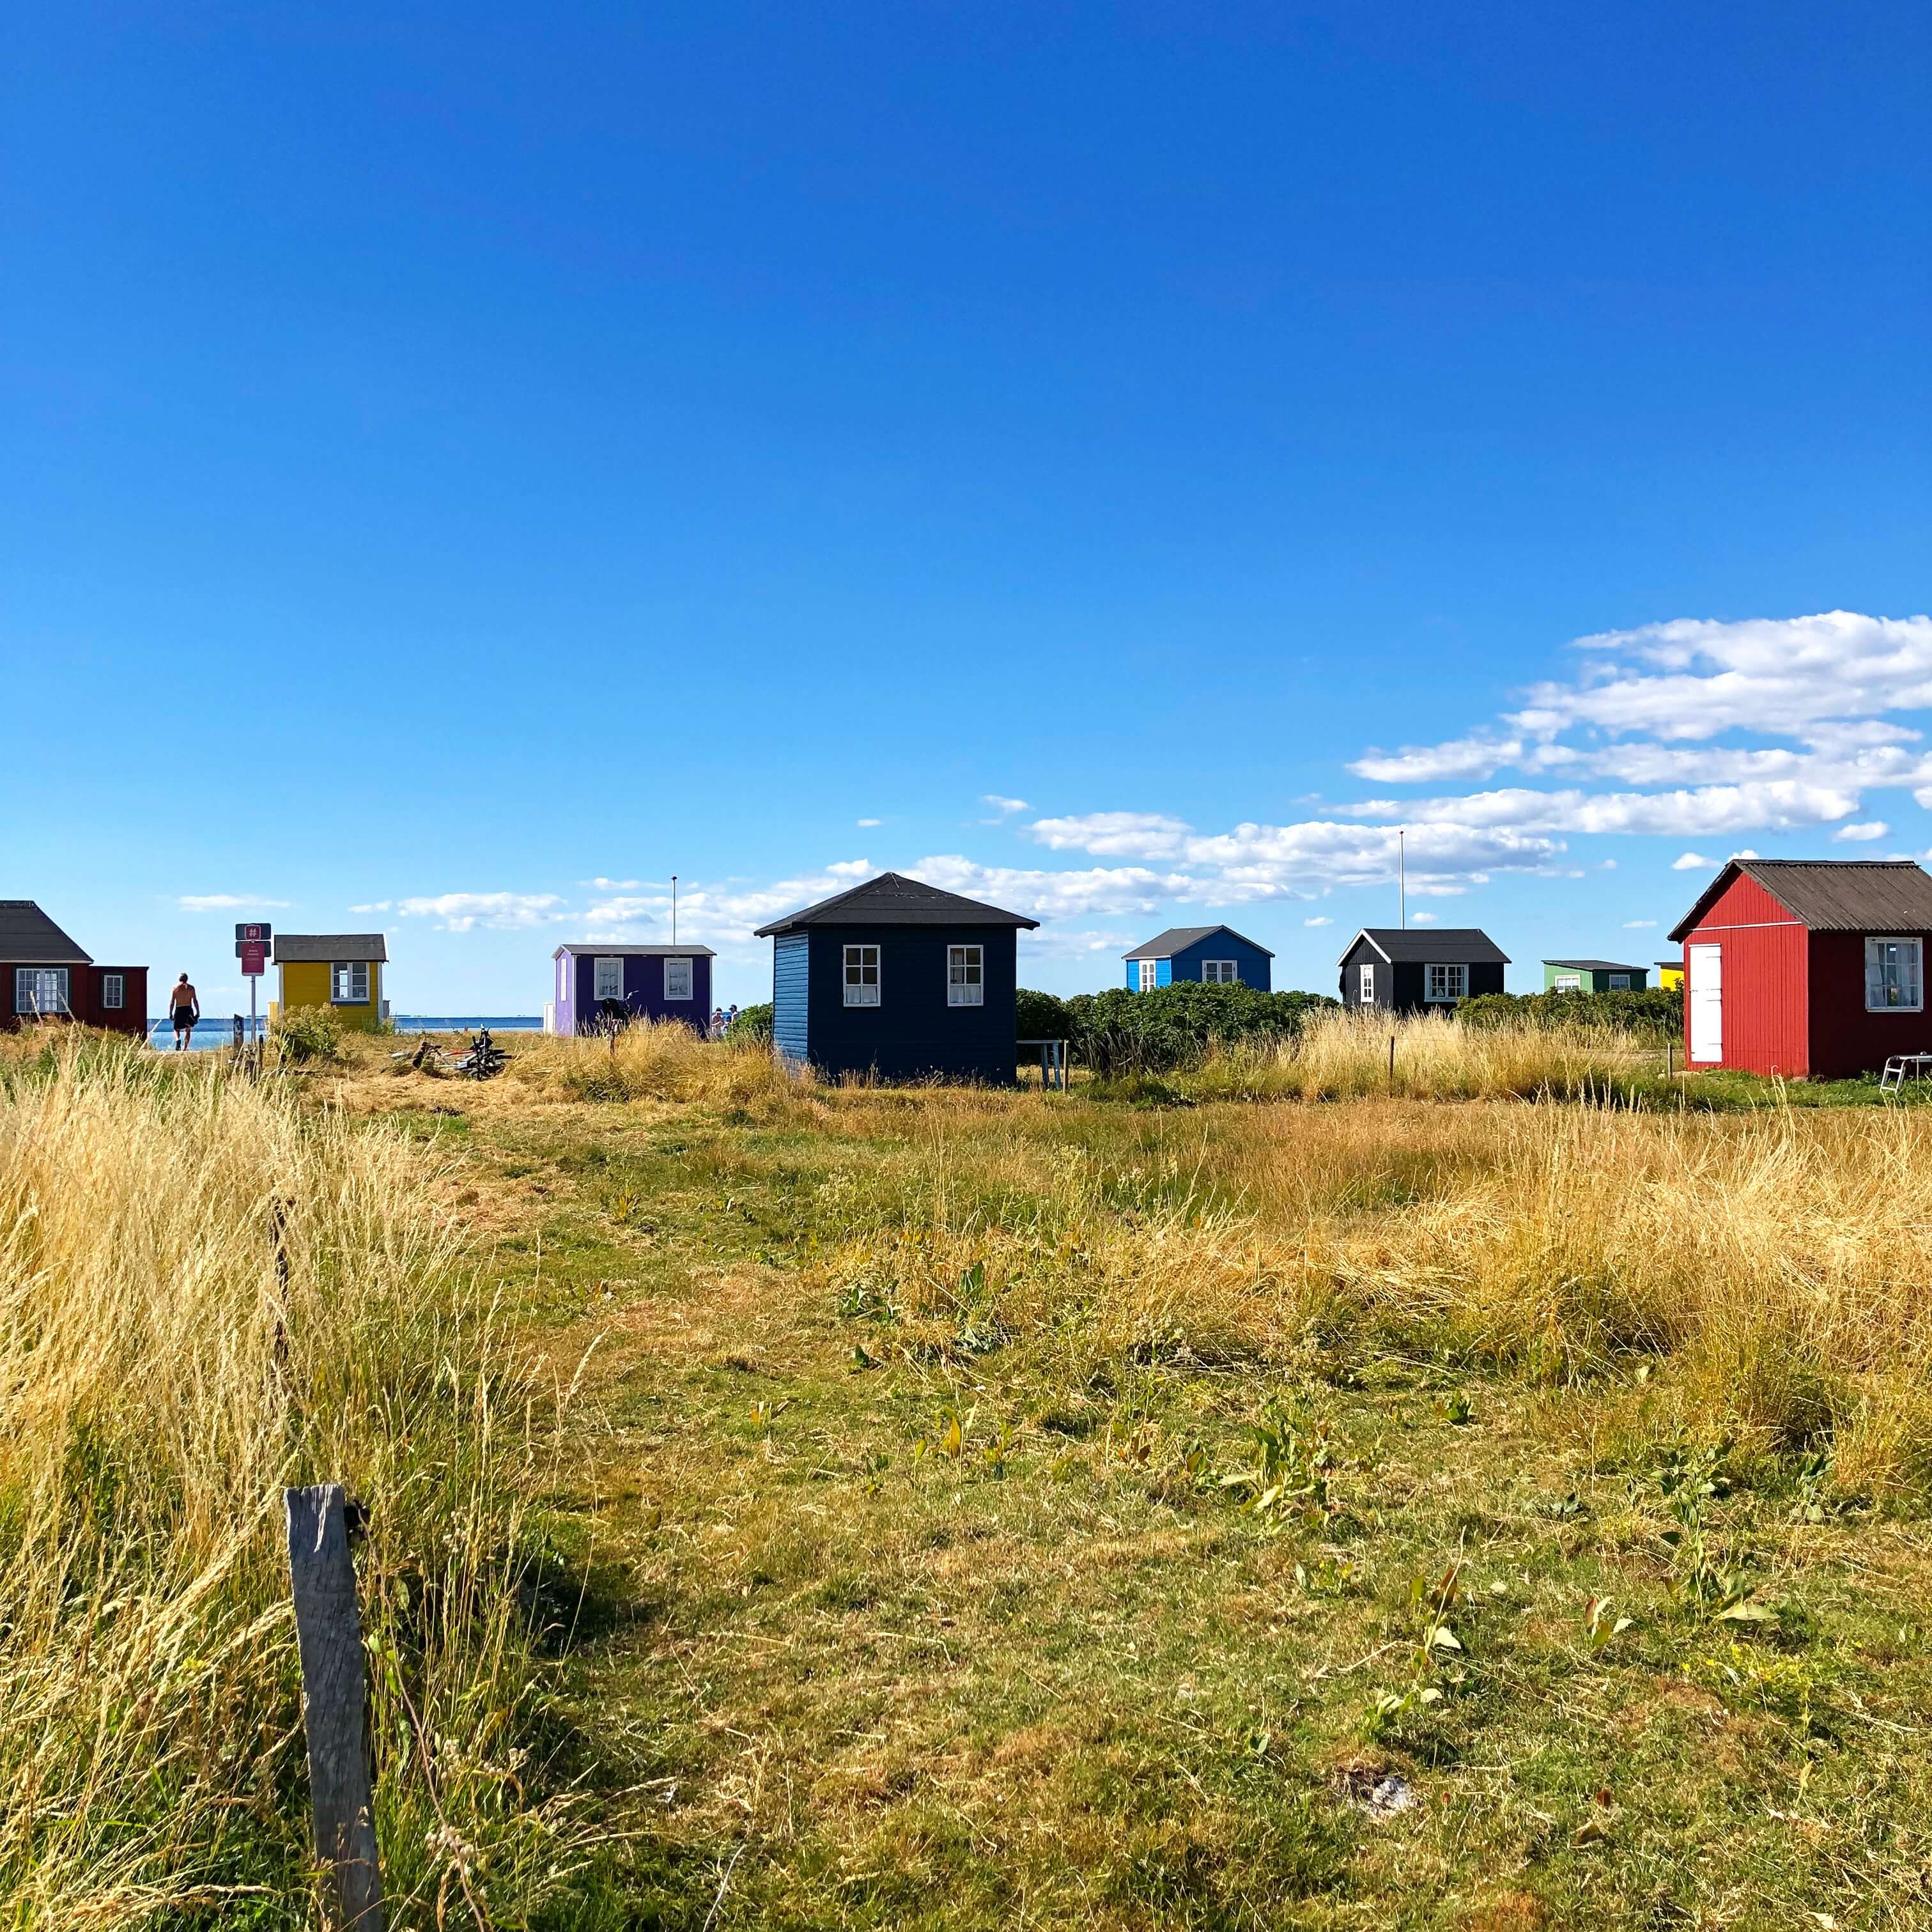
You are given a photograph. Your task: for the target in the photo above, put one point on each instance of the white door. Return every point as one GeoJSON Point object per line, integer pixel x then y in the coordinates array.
{"type": "Point", "coordinates": [1707, 1002]}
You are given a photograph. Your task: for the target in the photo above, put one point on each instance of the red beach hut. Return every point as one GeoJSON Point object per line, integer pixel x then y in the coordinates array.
{"type": "Point", "coordinates": [1811, 968]}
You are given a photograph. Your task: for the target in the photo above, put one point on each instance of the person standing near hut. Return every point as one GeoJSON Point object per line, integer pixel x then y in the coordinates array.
{"type": "Point", "coordinates": [185, 1008]}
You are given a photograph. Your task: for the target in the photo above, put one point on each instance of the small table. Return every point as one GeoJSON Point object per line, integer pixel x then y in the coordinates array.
{"type": "Point", "coordinates": [1902, 1066]}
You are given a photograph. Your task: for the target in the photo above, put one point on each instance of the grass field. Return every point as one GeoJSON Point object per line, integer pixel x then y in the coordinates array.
{"type": "Point", "coordinates": [931, 1508]}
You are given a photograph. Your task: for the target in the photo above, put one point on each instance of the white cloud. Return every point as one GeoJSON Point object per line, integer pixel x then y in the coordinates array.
{"type": "Point", "coordinates": [225, 901]}
{"type": "Point", "coordinates": [1008, 806]}
{"type": "Point", "coordinates": [1138, 835]}
{"type": "Point", "coordinates": [1638, 925]}
{"type": "Point", "coordinates": [1424, 919]}
{"type": "Point", "coordinates": [867, 824]}
{"type": "Point", "coordinates": [1873, 828]}
{"type": "Point", "coordinates": [462, 912]}
{"type": "Point", "coordinates": [612, 885]}
{"type": "Point", "coordinates": [1320, 919]}
{"type": "Point", "coordinates": [1692, 861]}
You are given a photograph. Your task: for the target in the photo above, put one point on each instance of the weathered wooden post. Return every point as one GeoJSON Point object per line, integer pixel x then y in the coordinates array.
{"type": "Point", "coordinates": [329, 1632]}
{"type": "Point", "coordinates": [1391, 1065]}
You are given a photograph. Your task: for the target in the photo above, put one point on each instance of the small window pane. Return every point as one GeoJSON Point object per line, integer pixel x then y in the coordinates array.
{"type": "Point", "coordinates": [40, 990]}
{"type": "Point", "coordinates": [861, 976]}
{"type": "Point", "coordinates": [965, 975]}
{"type": "Point", "coordinates": [607, 979]}
{"type": "Point", "coordinates": [348, 983]}
{"type": "Point", "coordinates": [113, 992]}
{"type": "Point", "coordinates": [1368, 985]}
{"type": "Point", "coordinates": [1893, 975]}
{"type": "Point", "coordinates": [1219, 973]}
{"type": "Point", "coordinates": [1150, 969]}
{"type": "Point", "coordinates": [677, 979]}
{"type": "Point", "coordinates": [1620, 983]}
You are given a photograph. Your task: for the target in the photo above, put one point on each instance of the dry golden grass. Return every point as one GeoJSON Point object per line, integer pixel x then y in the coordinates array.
{"type": "Point", "coordinates": [1344, 1055]}
{"type": "Point", "coordinates": [160, 1383]}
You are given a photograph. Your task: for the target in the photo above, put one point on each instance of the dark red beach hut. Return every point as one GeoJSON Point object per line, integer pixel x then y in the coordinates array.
{"type": "Point", "coordinates": [1811, 968]}
{"type": "Point", "coordinates": [45, 976]}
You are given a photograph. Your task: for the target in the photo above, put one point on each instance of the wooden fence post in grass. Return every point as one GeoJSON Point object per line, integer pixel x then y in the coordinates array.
{"type": "Point", "coordinates": [1391, 1065]}
{"type": "Point", "coordinates": [329, 1632]}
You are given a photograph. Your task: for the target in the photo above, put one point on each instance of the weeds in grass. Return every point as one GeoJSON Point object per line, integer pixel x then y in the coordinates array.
{"type": "Point", "coordinates": [205, 1296]}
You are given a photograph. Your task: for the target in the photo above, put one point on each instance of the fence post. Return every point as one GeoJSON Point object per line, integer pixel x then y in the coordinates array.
{"type": "Point", "coordinates": [329, 1632]}
{"type": "Point", "coordinates": [1391, 1064]}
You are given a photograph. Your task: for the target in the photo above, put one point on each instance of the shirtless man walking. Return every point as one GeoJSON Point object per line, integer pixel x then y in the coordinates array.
{"type": "Point", "coordinates": [185, 1008]}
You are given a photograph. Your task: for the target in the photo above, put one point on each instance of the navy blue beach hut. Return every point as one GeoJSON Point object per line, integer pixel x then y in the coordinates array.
{"type": "Point", "coordinates": [596, 985]}
{"type": "Point", "coordinates": [1217, 954]}
{"type": "Point", "coordinates": [899, 980]}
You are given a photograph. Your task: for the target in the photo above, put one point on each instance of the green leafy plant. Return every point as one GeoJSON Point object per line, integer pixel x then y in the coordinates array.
{"type": "Point", "coordinates": [753, 1026]}
{"type": "Point", "coordinates": [305, 1035]}
{"type": "Point", "coordinates": [1294, 1460]}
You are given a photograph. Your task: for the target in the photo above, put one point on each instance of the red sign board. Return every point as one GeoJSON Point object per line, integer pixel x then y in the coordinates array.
{"type": "Point", "coordinates": [254, 957]}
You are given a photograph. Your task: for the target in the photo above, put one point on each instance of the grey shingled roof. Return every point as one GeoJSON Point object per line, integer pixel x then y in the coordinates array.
{"type": "Point", "coordinates": [1431, 945]}
{"type": "Point", "coordinates": [1179, 938]}
{"type": "Point", "coordinates": [586, 947]}
{"type": "Point", "coordinates": [28, 937]}
{"type": "Point", "coordinates": [893, 899]}
{"type": "Point", "coordinates": [327, 947]}
{"type": "Point", "coordinates": [1832, 895]}
{"type": "Point", "coordinates": [1597, 965]}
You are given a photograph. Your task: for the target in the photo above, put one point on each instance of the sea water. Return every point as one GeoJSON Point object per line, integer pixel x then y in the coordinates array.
{"type": "Point", "coordinates": [209, 1033]}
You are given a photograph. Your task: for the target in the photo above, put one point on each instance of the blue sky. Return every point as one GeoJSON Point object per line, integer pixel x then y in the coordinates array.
{"type": "Point", "coordinates": [1122, 460]}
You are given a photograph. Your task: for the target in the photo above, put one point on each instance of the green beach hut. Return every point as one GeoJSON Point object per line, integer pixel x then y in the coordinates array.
{"type": "Point", "coordinates": [1593, 975]}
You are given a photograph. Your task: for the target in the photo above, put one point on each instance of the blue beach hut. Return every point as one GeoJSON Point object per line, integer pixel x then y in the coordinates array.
{"type": "Point", "coordinates": [899, 980]}
{"type": "Point", "coordinates": [1215, 955]}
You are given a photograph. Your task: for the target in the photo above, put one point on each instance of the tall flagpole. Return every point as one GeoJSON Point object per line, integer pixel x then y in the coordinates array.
{"type": "Point", "coordinates": [673, 908]}
{"type": "Point", "coordinates": [1401, 873]}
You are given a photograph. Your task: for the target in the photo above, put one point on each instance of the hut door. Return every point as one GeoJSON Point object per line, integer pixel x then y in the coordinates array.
{"type": "Point", "coordinates": [1707, 1002]}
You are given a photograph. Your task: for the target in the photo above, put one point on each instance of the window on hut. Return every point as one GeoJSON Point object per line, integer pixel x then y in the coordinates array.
{"type": "Point", "coordinates": [348, 983]}
{"type": "Point", "coordinates": [965, 975]}
{"type": "Point", "coordinates": [861, 976]}
{"type": "Point", "coordinates": [677, 979]}
{"type": "Point", "coordinates": [1150, 974]}
{"type": "Point", "coordinates": [39, 989]}
{"type": "Point", "coordinates": [1894, 982]}
{"type": "Point", "coordinates": [1368, 984]}
{"type": "Point", "coordinates": [113, 992]}
{"type": "Point", "coordinates": [1448, 982]}
{"type": "Point", "coordinates": [607, 980]}
{"type": "Point", "coordinates": [1218, 972]}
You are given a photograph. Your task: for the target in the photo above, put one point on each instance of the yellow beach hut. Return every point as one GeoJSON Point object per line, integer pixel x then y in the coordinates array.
{"type": "Point", "coordinates": [1670, 974]}
{"type": "Point", "coordinates": [340, 970]}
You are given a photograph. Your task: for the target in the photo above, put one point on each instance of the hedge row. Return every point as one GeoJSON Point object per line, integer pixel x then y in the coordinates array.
{"type": "Point", "coordinates": [1655, 1013]}
{"type": "Point", "coordinates": [1120, 1032]}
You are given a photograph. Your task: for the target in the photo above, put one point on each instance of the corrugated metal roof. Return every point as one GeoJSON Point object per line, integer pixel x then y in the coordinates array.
{"type": "Point", "coordinates": [1597, 965]}
{"type": "Point", "coordinates": [303, 948]}
{"type": "Point", "coordinates": [28, 937]}
{"type": "Point", "coordinates": [1832, 895]}
{"type": "Point", "coordinates": [586, 947]}
{"type": "Point", "coordinates": [1430, 945]}
{"type": "Point", "coordinates": [893, 899]}
{"type": "Point", "coordinates": [1179, 938]}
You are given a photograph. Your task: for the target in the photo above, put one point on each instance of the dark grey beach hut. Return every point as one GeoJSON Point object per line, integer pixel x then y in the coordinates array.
{"type": "Point", "coordinates": [899, 980]}
{"type": "Point", "coordinates": [1420, 969]}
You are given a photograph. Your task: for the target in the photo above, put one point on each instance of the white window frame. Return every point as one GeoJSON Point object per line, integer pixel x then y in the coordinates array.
{"type": "Point", "coordinates": [965, 975]}
{"type": "Point", "coordinates": [1453, 986]}
{"type": "Point", "coordinates": [1220, 973]}
{"type": "Point", "coordinates": [113, 992]}
{"type": "Point", "coordinates": [604, 967]}
{"type": "Point", "coordinates": [1150, 974]}
{"type": "Point", "coordinates": [1566, 982]}
{"type": "Point", "coordinates": [39, 990]}
{"type": "Point", "coordinates": [1907, 976]}
{"type": "Point", "coordinates": [1365, 982]}
{"type": "Point", "coordinates": [690, 976]}
{"type": "Point", "coordinates": [352, 973]}
{"type": "Point", "coordinates": [1620, 983]}
{"type": "Point", "coordinates": [861, 991]}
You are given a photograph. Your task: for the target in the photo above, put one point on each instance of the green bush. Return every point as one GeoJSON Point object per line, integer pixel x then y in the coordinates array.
{"type": "Point", "coordinates": [1167, 1028]}
{"type": "Point", "coordinates": [1655, 1013]}
{"type": "Point", "coordinates": [306, 1033]}
{"type": "Point", "coordinates": [753, 1026]}
{"type": "Point", "coordinates": [1042, 1016]}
